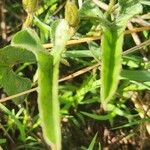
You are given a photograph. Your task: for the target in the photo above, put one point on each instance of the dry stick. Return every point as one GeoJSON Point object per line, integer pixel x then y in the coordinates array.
{"type": "Point", "coordinates": [134, 35]}
{"type": "Point", "coordinates": [140, 21]}
{"type": "Point", "coordinates": [133, 49]}
{"type": "Point", "coordinates": [73, 75]}
{"type": "Point", "coordinates": [88, 39]}
{"type": "Point", "coordinates": [1, 148]}
{"type": "Point", "coordinates": [139, 105]}
{"type": "Point", "coordinates": [3, 22]}
{"type": "Point", "coordinates": [146, 16]}
{"type": "Point", "coordinates": [17, 95]}
{"type": "Point", "coordinates": [59, 9]}
{"type": "Point", "coordinates": [134, 30]}
{"type": "Point", "coordinates": [7, 134]}
{"type": "Point", "coordinates": [136, 38]}
{"type": "Point", "coordinates": [71, 42]}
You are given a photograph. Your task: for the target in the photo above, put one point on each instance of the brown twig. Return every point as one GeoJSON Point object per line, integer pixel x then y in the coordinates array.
{"type": "Point", "coordinates": [6, 133]}
{"type": "Point", "coordinates": [134, 30]}
{"type": "Point", "coordinates": [135, 48]}
{"type": "Point", "coordinates": [134, 35]}
{"type": "Point", "coordinates": [73, 75]}
{"type": "Point", "coordinates": [88, 39]}
{"type": "Point", "coordinates": [17, 95]}
{"type": "Point", "coordinates": [72, 42]}
{"type": "Point", "coordinates": [59, 8]}
{"type": "Point", "coordinates": [82, 71]}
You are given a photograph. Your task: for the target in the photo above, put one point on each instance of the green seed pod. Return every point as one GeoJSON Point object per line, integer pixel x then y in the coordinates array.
{"type": "Point", "coordinates": [30, 5]}
{"type": "Point", "coordinates": [72, 14]}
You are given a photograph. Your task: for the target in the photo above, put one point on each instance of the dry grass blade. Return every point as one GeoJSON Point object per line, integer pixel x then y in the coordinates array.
{"type": "Point", "coordinates": [135, 48]}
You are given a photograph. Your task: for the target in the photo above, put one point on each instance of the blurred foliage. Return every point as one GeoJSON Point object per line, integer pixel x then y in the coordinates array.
{"type": "Point", "coordinates": [81, 113]}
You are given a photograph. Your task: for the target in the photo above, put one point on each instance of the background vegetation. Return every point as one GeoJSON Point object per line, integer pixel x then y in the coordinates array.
{"type": "Point", "coordinates": [84, 122]}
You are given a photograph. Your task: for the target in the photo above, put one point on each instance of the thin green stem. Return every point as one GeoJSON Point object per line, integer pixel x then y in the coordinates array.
{"type": "Point", "coordinates": [28, 21]}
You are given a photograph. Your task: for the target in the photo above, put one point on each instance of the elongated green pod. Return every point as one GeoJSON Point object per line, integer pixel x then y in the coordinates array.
{"type": "Point", "coordinates": [111, 44]}
{"type": "Point", "coordinates": [47, 103]}
{"type": "Point", "coordinates": [48, 108]}
{"type": "Point", "coordinates": [111, 63]}
{"type": "Point", "coordinates": [48, 69]}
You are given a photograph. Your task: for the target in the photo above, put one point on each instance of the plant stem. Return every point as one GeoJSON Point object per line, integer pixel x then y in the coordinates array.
{"type": "Point", "coordinates": [28, 21]}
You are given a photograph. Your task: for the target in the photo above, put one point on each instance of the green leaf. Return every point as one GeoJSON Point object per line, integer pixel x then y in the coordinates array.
{"type": "Point", "coordinates": [136, 75]}
{"type": "Point", "coordinates": [127, 10]}
{"type": "Point", "coordinates": [95, 50]}
{"type": "Point", "coordinates": [14, 84]}
{"type": "Point", "coordinates": [50, 2]}
{"type": "Point", "coordinates": [10, 56]}
{"type": "Point", "coordinates": [91, 146]}
{"type": "Point", "coordinates": [2, 141]}
{"type": "Point", "coordinates": [99, 117]}
{"type": "Point", "coordinates": [78, 53]}
{"type": "Point", "coordinates": [18, 123]}
{"type": "Point", "coordinates": [45, 77]}
{"type": "Point", "coordinates": [137, 86]}
{"type": "Point", "coordinates": [132, 61]}
{"type": "Point", "coordinates": [145, 2]}
{"type": "Point", "coordinates": [44, 28]}
{"type": "Point", "coordinates": [29, 40]}
{"type": "Point", "coordinates": [89, 85]}
{"type": "Point", "coordinates": [133, 123]}
{"type": "Point", "coordinates": [90, 9]}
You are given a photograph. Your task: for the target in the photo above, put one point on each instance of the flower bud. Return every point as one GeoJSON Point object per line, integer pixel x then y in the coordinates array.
{"type": "Point", "coordinates": [72, 14]}
{"type": "Point", "coordinates": [30, 5]}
